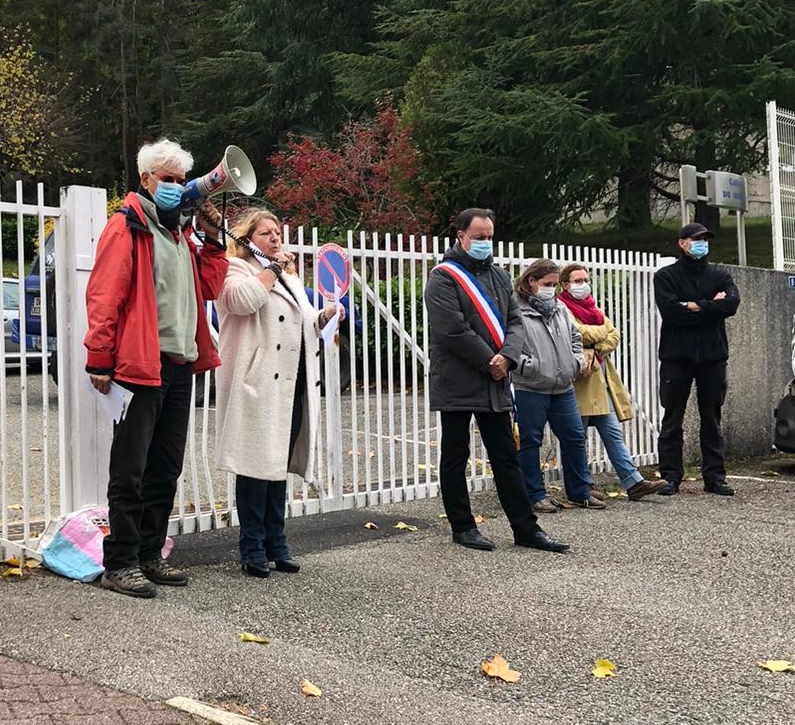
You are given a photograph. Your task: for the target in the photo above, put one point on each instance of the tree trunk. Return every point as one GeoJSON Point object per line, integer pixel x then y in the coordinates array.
{"type": "Point", "coordinates": [634, 191]}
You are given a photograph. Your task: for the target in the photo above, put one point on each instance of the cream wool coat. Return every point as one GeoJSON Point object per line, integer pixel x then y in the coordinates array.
{"type": "Point", "coordinates": [260, 345]}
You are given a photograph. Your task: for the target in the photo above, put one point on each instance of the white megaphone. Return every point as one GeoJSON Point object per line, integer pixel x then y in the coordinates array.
{"type": "Point", "coordinates": [234, 173]}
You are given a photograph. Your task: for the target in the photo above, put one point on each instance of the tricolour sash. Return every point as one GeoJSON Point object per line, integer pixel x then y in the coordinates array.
{"type": "Point", "coordinates": [484, 305]}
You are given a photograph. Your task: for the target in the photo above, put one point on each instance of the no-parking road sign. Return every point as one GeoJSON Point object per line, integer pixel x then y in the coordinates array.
{"type": "Point", "coordinates": [333, 269]}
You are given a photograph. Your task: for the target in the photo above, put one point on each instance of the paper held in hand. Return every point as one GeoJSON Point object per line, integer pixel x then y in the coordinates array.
{"type": "Point", "coordinates": [330, 328]}
{"type": "Point", "coordinates": [115, 403]}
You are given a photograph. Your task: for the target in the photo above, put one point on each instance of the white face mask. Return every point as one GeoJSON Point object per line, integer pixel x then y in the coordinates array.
{"type": "Point", "coordinates": [579, 290]}
{"type": "Point", "coordinates": [545, 293]}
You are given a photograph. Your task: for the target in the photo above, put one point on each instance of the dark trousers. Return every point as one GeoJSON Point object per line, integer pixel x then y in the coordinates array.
{"type": "Point", "coordinates": [260, 503]}
{"type": "Point", "coordinates": [495, 430]}
{"type": "Point", "coordinates": [676, 379]}
{"type": "Point", "coordinates": [145, 462]}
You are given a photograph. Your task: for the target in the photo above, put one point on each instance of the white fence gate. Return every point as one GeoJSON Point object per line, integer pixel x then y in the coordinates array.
{"type": "Point", "coordinates": [378, 442]}
{"type": "Point", "coordinates": [781, 157]}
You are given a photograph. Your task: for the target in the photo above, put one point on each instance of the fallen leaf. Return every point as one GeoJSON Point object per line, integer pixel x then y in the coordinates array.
{"type": "Point", "coordinates": [441, 516]}
{"type": "Point", "coordinates": [423, 467]}
{"type": "Point", "coordinates": [479, 519]}
{"type": "Point", "coordinates": [248, 637]}
{"type": "Point", "coordinates": [657, 474]}
{"type": "Point", "coordinates": [405, 526]}
{"type": "Point", "coordinates": [691, 478]}
{"type": "Point", "coordinates": [497, 666]}
{"type": "Point", "coordinates": [770, 473]}
{"type": "Point", "coordinates": [11, 561]}
{"type": "Point", "coordinates": [777, 665]}
{"type": "Point", "coordinates": [35, 450]}
{"type": "Point", "coordinates": [370, 525]}
{"type": "Point", "coordinates": [604, 668]}
{"type": "Point", "coordinates": [11, 571]}
{"type": "Point", "coordinates": [615, 494]}
{"type": "Point", "coordinates": [32, 563]}
{"type": "Point", "coordinates": [310, 690]}
{"type": "Point", "coordinates": [15, 507]}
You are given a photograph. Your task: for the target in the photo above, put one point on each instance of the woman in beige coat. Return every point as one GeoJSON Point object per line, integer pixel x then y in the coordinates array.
{"type": "Point", "coordinates": [268, 386]}
{"type": "Point", "coordinates": [601, 397]}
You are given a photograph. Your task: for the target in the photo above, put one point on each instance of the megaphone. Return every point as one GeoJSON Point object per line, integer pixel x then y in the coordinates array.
{"type": "Point", "coordinates": [234, 173]}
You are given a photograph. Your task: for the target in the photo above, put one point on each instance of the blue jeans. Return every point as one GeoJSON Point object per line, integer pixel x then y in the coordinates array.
{"type": "Point", "coordinates": [260, 508]}
{"type": "Point", "coordinates": [534, 410]}
{"type": "Point", "coordinates": [609, 430]}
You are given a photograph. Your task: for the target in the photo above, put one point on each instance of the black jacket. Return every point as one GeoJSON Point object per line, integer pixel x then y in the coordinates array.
{"type": "Point", "coordinates": [460, 345]}
{"type": "Point", "coordinates": [694, 336]}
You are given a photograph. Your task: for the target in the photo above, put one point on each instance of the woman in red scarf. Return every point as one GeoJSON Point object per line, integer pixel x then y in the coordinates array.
{"type": "Point", "coordinates": [601, 397]}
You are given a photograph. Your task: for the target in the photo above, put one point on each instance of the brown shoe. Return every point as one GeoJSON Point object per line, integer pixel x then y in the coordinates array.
{"type": "Point", "coordinates": [589, 503]}
{"type": "Point", "coordinates": [545, 506]}
{"type": "Point", "coordinates": [644, 488]}
{"type": "Point", "coordinates": [596, 493]}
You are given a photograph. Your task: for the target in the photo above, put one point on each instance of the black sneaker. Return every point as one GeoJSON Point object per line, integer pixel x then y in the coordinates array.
{"type": "Point", "coordinates": [721, 489]}
{"type": "Point", "coordinates": [671, 488]}
{"type": "Point", "coordinates": [129, 581]}
{"type": "Point", "coordinates": [160, 571]}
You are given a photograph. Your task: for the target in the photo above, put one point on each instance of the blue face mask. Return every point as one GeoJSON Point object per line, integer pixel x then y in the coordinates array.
{"type": "Point", "coordinates": [699, 248]}
{"type": "Point", "coordinates": [168, 195]}
{"type": "Point", "coordinates": [480, 249]}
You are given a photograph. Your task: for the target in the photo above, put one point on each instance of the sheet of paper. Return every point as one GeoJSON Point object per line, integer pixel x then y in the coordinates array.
{"type": "Point", "coordinates": [115, 402]}
{"type": "Point", "coordinates": [330, 328]}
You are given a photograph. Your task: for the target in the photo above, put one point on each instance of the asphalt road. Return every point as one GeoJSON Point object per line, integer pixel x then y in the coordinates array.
{"type": "Point", "coordinates": [683, 594]}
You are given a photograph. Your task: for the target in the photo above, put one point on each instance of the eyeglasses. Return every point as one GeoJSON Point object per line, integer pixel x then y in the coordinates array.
{"type": "Point", "coordinates": [168, 179]}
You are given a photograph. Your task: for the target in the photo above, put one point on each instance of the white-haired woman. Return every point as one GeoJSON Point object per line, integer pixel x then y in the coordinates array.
{"type": "Point", "coordinates": [268, 388]}
{"type": "Point", "coordinates": [148, 332]}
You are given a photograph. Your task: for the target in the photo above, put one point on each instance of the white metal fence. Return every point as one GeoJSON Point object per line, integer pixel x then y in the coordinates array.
{"type": "Point", "coordinates": [781, 155]}
{"type": "Point", "coordinates": [378, 442]}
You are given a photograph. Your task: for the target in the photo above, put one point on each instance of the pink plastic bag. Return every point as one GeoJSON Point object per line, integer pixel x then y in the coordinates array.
{"type": "Point", "coordinates": [72, 545]}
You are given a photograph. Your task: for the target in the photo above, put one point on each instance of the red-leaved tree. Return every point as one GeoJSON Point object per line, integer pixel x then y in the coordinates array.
{"type": "Point", "coordinates": [370, 180]}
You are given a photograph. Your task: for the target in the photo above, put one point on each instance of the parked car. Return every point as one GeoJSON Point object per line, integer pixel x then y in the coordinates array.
{"type": "Point", "coordinates": [33, 302]}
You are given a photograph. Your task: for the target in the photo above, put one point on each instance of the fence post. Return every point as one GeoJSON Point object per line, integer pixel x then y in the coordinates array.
{"type": "Point", "coordinates": [84, 433]}
{"type": "Point", "coordinates": [775, 184]}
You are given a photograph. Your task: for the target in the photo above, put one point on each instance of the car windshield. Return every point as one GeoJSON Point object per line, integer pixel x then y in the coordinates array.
{"type": "Point", "coordinates": [10, 295]}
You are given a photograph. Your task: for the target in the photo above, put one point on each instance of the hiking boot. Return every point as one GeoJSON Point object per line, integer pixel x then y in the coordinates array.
{"type": "Point", "coordinates": [160, 571]}
{"type": "Point", "coordinates": [721, 489]}
{"type": "Point", "coordinates": [129, 581]}
{"type": "Point", "coordinates": [589, 503]}
{"type": "Point", "coordinates": [545, 506]}
{"type": "Point", "coordinates": [671, 488]}
{"type": "Point", "coordinates": [644, 488]}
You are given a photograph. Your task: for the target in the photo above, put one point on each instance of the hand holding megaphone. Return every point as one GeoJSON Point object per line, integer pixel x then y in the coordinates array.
{"type": "Point", "coordinates": [234, 173]}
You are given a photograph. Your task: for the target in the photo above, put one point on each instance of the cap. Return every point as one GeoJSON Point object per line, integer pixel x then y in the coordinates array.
{"type": "Point", "coordinates": [695, 231]}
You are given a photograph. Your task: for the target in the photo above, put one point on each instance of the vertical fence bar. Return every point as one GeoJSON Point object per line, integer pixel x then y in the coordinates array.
{"type": "Point", "coordinates": [365, 367]}
{"type": "Point", "coordinates": [438, 416]}
{"type": "Point", "coordinates": [390, 371]}
{"type": "Point", "coordinates": [4, 455]}
{"type": "Point", "coordinates": [419, 491]}
{"type": "Point", "coordinates": [407, 492]}
{"type": "Point", "coordinates": [23, 372]}
{"type": "Point", "coordinates": [45, 390]}
{"type": "Point", "coordinates": [378, 394]}
{"type": "Point", "coordinates": [352, 337]}
{"type": "Point", "coordinates": [426, 401]}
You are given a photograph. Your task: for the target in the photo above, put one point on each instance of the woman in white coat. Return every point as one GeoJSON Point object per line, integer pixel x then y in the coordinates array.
{"type": "Point", "coordinates": [268, 386]}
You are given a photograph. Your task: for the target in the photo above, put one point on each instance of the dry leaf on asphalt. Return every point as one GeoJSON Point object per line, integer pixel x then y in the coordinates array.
{"type": "Point", "coordinates": [15, 507]}
{"type": "Point", "coordinates": [497, 666]}
{"type": "Point", "coordinates": [309, 689]}
{"type": "Point", "coordinates": [777, 665]}
{"type": "Point", "coordinates": [479, 519]}
{"type": "Point", "coordinates": [604, 668]}
{"type": "Point", "coordinates": [616, 494]}
{"type": "Point", "coordinates": [248, 637]}
{"type": "Point", "coordinates": [441, 516]}
{"type": "Point", "coordinates": [405, 526]}
{"type": "Point", "coordinates": [771, 473]}
{"type": "Point", "coordinates": [370, 525]}
{"type": "Point", "coordinates": [11, 561]}
{"type": "Point", "coordinates": [11, 571]}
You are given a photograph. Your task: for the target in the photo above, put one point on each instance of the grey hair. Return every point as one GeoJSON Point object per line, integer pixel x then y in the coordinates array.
{"type": "Point", "coordinates": [153, 156]}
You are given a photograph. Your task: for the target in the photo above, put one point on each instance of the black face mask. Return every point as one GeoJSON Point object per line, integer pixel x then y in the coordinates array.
{"type": "Point", "coordinates": [169, 218]}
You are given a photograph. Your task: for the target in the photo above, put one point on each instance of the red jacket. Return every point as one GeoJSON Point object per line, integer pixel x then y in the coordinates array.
{"type": "Point", "coordinates": [123, 332]}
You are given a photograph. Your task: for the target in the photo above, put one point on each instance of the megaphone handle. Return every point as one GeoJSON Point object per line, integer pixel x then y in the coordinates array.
{"type": "Point", "coordinates": [223, 219]}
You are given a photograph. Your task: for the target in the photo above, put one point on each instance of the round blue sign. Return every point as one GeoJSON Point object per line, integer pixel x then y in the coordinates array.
{"type": "Point", "coordinates": [333, 269]}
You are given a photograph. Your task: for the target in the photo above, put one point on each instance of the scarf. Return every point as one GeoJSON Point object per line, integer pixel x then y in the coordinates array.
{"type": "Point", "coordinates": [585, 310]}
{"type": "Point", "coordinates": [544, 307]}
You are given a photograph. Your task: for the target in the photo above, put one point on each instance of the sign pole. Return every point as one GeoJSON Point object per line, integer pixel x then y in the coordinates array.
{"type": "Point", "coordinates": [741, 251]}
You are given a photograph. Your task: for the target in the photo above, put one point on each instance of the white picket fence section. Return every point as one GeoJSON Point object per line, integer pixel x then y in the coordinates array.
{"type": "Point", "coordinates": [379, 442]}
{"type": "Point", "coordinates": [781, 168]}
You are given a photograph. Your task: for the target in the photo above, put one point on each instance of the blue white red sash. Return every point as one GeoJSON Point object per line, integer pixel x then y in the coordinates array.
{"type": "Point", "coordinates": [484, 305]}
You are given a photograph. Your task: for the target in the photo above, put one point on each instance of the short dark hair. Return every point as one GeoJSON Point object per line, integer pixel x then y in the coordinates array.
{"type": "Point", "coordinates": [537, 270]}
{"type": "Point", "coordinates": [464, 218]}
{"type": "Point", "coordinates": [565, 273]}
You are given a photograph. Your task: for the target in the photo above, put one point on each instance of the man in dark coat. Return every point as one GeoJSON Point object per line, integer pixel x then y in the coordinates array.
{"type": "Point", "coordinates": [475, 336]}
{"type": "Point", "coordinates": [694, 298]}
